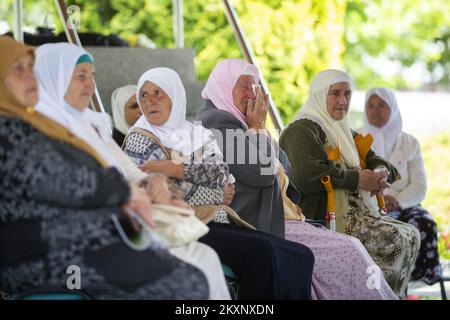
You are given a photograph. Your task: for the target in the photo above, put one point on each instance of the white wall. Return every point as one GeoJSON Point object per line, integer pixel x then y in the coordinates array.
{"type": "Point", "coordinates": [423, 113]}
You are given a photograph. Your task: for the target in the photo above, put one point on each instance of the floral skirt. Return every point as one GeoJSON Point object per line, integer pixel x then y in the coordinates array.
{"type": "Point", "coordinates": [393, 244]}
{"type": "Point", "coordinates": [343, 270]}
{"type": "Point", "coordinates": [427, 268]}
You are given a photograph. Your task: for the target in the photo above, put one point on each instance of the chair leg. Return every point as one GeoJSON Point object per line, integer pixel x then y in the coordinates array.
{"type": "Point", "coordinates": [233, 288]}
{"type": "Point", "coordinates": [443, 293]}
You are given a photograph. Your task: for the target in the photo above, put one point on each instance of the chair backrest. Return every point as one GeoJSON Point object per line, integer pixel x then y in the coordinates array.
{"type": "Point", "coordinates": [118, 66]}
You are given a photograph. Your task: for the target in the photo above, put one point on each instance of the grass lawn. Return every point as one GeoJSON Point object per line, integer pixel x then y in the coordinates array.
{"type": "Point", "coordinates": [436, 154]}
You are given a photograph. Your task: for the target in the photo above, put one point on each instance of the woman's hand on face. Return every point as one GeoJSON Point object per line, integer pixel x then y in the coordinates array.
{"type": "Point", "coordinates": [257, 110]}
{"type": "Point", "coordinates": [158, 189]}
{"type": "Point", "coordinates": [166, 167]}
{"type": "Point", "coordinates": [228, 194]}
{"type": "Point", "coordinates": [139, 203]}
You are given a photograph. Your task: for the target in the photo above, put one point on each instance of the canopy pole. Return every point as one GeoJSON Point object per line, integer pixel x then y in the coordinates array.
{"type": "Point", "coordinates": [72, 37]}
{"type": "Point", "coordinates": [18, 20]}
{"type": "Point", "coordinates": [178, 23]}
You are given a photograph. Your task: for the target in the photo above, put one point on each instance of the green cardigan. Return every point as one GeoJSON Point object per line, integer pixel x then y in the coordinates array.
{"type": "Point", "coordinates": [304, 141]}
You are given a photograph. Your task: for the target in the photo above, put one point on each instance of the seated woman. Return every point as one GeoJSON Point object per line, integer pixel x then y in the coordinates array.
{"type": "Point", "coordinates": [62, 206]}
{"type": "Point", "coordinates": [341, 262]}
{"type": "Point", "coordinates": [268, 267]}
{"type": "Point", "coordinates": [320, 143]}
{"type": "Point", "coordinates": [382, 119]}
{"type": "Point", "coordinates": [67, 103]}
{"type": "Point", "coordinates": [125, 111]}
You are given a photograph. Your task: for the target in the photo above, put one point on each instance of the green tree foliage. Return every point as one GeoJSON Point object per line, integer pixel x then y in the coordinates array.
{"type": "Point", "coordinates": [292, 39]}
{"type": "Point", "coordinates": [405, 33]}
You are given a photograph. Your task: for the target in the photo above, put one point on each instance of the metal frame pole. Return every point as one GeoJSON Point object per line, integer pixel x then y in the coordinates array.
{"type": "Point", "coordinates": [247, 52]}
{"type": "Point", "coordinates": [178, 23]}
{"type": "Point", "coordinates": [72, 37]}
{"type": "Point", "coordinates": [18, 20]}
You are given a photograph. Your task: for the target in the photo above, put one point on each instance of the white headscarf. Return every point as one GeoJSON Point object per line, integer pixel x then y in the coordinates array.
{"type": "Point", "coordinates": [384, 138]}
{"type": "Point", "coordinates": [176, 133]}
{"type": "Point", "coordinates": [119, 99]}
{"type": "Point", "coordinates": [54, 67]}
{"type": "Point", "coordinates": [315, 109]}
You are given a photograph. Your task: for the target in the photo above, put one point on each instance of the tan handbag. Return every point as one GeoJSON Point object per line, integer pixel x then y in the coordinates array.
{"type": "Point", "coordinates": [177, 226]}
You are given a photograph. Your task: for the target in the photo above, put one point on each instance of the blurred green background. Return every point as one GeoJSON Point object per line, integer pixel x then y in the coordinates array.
{"type": "Point", "coordinates": [402, 44]}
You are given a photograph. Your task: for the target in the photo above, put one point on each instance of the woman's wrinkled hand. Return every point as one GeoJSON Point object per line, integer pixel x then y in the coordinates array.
{"type": "Point", "coordinates": [158, 189]}
{"type": "Point", "coordinates": [140, 204]}
{"type": "Point", "coordinates": [257, 110]}
{"type": "Point", "coordinates": [373, 181]}
{"type": "Point", "coordinates": [228, 194]}
{"type": "Point", "coordinates": [391, 203]}
{"type": "Point", "coordinates": [180, 203]}
{"type": "Point", "coordinates": [166, 167]}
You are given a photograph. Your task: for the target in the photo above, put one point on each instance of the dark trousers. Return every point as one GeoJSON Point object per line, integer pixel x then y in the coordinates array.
{"type": "Point", "coordinates": [268, 267]}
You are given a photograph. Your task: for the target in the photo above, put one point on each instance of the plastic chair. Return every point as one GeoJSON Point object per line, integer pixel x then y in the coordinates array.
{"type": "Point", "coordinates": [51, 294]}
{"type": "Point", "coordinates": [232, 281]}
{"type": "Point", "coordinates": [442, 284]}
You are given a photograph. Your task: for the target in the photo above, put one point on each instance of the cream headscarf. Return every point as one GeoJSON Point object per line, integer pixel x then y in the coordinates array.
{"type": "Point", "coordinates": [54, 67]}
{"type": "Point", "coordinates": [119, 99]}
{"type": "Point", "coordinates": [338, 134]}
{"type": "Point", "coordinates": [384, 138]}
{"type": "Point", "coordinates": [315, 109]}
{"type": "Point", "coordinates": [177, 133]}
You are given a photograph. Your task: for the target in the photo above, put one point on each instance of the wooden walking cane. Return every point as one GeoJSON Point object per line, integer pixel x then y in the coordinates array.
{"type": "Point", "coordinates": [363, 145]}
{"type": "Point", "coordinates": [331, 213]}
{"type": "Point", "coordinates": [333, 154]}
{"type": "Point", "coordinates": [380, 201]}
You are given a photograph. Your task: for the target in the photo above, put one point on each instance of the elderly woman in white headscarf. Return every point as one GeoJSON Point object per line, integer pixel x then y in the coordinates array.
{"type": "Point", "coordinates": [65, 75]}
{"type": "Point", "coordinates": [268, 267]}
{"type": "Point", "coordinates": [382, 119]}
{"type": "Point", "coordinates": [125, 111]}
{"type": "Point", "coordinates": [320, 143]}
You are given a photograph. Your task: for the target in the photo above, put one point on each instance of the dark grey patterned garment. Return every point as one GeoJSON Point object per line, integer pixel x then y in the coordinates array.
{"type": "Point", "coordinates": [202, 183]}
{"type": "Point", "coordinates": [56, 205]}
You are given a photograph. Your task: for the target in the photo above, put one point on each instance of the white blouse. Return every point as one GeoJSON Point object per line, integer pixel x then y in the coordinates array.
{"type": "Point", "coordinates": [406, 156]}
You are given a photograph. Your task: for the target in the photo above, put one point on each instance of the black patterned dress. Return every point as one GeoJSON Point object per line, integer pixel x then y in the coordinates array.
{"type": "Point", "coordinates": [56, 209]}
{"type": "Point", "coordinates": [428, 267]}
